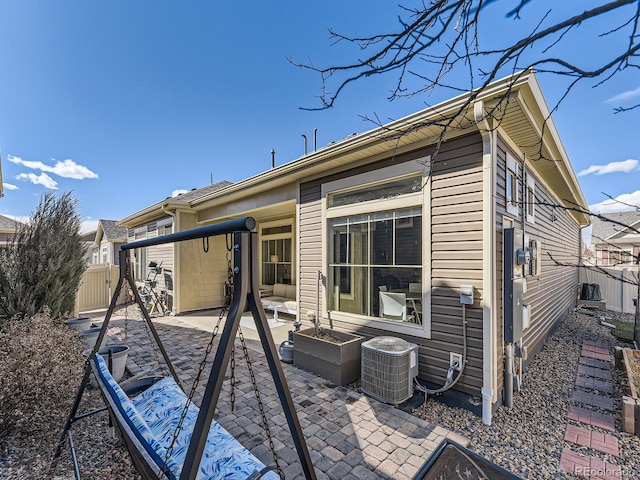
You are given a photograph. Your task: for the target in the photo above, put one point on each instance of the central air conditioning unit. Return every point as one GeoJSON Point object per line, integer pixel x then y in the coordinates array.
{"type": "Point", "coordinates": [389, 367]}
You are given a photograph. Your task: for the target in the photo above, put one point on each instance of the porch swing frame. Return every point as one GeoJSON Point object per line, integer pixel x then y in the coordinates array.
{"type": "Point", "coordinates": [245, 293]}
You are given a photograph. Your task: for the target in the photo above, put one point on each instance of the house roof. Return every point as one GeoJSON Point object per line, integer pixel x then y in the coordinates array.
{"type": "Point", "coordinates": [197, 193]}
{"type": "Point", "coordinates": [7, 223]}
{"type": "Point", "coordinates": [614, 231]}
{"type": "Point", "coordinates": [179, 201]}
{"type": "Point", "coordinates": [514, 104]}
{"type": "Point", "coordinates": [110, 231]}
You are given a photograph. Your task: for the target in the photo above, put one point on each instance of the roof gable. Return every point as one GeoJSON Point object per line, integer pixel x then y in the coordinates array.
{"type": "Point", "coordinates": [109, 231]}
{"type": "Point", "coordinates": [614, 231]}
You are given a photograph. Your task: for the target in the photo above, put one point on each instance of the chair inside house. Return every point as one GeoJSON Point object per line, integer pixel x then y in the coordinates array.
{"type": "Point", "coordinates": [416, 303]}
{"type": "Point", "coordinates": [393, 306]}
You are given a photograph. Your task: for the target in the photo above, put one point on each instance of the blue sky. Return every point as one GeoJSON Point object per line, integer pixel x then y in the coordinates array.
{"type": "Point", "coordinates": [125, 103]}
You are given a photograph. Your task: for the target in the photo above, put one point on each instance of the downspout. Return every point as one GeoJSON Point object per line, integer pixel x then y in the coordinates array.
{"type": "Point", "coordinates": [489, 319]}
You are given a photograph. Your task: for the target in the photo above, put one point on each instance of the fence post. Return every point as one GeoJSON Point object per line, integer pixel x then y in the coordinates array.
{"type": "Point", "coordinates": [622, 288]}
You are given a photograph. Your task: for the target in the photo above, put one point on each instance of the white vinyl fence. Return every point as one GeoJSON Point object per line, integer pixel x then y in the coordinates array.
{"type": "Point", "coordinates": [97, 287]}
{"type": "Point", "coordinates": [617, 286]}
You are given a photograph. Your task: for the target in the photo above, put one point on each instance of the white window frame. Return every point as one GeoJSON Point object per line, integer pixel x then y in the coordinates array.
{"type": "Point", "coordinates": [512, 191]}
{"type": "Point", "coordinates": [530, 193]}
{"type": "Point", "coordinates": [278, 236]}
{"type": "Point", "coordinates": [418, 199]}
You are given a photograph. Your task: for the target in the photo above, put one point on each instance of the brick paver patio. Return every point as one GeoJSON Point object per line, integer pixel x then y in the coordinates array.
{"type": "Point", "coordinates": [593, 374]}
{"type": "Point", "coordinates": [349, 435]}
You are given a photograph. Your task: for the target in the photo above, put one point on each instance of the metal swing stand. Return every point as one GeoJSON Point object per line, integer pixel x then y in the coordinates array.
{"type": "Point", "coordinates": [245, 293]}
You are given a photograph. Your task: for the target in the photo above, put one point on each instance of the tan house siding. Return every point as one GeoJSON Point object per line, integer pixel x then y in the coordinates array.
{"type": "Point", "coordinates": [456, 239]}
{"type": "Point", "coordinates": [457, 256]}
{"type": "Point", "coordinates": [158, 254]}
{"type": "Point", "coordinates": [310, 244]}
{"type": "Point", "coordinates": [201, 274]}
{"type": "Point", "coordinates": [551, 294]}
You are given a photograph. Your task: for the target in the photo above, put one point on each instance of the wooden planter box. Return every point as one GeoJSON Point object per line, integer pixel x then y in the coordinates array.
{"type": "Point", "coordinates": [337, 362]}
{"type": "Point", "coordinates": [631, 403]}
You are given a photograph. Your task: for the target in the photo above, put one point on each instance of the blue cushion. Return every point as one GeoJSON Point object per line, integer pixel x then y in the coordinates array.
{"type": "Point", "coordinates": [162, 405]}
{"type": "Point", "coordinates": [130, 414]}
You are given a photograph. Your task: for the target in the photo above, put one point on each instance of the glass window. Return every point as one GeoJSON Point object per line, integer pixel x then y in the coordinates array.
{"type": "Point", "coordinates": [512, 194]}
{"type": "Point", "coordinates": [140, 270]}
{"type": "Point", "coordinates": [531, 199]}
{"type": "Point", "coordinates": [373, 253]}
{"type": "Point", "coordinates": [277, 254]}
{"type": "Point", "coordinates": [384, 191]}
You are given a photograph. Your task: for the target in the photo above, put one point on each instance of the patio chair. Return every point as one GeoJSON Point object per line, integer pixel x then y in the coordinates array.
{"type": "Point", "coordinates": [393, 305]}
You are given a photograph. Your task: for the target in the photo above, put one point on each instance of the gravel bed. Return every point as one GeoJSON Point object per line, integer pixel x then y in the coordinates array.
{"type": "Point", "coordinates": [100, 453]}
{"type": "Point", "coordinates": [528, 439]}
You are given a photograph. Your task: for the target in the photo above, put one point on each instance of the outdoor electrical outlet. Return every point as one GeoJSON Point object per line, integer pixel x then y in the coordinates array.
{"type": "Point", "coordinates": [455, 357]}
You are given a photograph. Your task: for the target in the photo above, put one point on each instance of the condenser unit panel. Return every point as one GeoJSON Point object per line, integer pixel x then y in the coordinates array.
{"type": "Point", "coordinates": [389, 367]}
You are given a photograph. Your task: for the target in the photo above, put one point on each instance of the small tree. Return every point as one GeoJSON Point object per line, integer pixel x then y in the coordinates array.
{"type": "Point", "coordinates": [43, 265]}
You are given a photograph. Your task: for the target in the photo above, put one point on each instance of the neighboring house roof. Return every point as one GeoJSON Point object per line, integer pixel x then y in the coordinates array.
{"type": "Point", "coordinates": [88, 237]}
{"type": "Point", "coordinates": [615, 231]}
{"type": "Point", "coordinates": [179, 201]}
{"type": "Point", "coordinates": [9, 224]}
{"type": "Point", "coordinates": [517, 100]}
{"type": "Point", "coordinates": [197, 193]}
{"type": "Point", "coordinates": [109, 231]}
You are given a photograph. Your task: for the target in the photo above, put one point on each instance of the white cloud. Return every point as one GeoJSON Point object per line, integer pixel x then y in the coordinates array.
{"type": "Point", "coordinates": [42, 179]}
{"type": "Point", "coordinates": [9, 186]}
{"type": "Point", "coordinates": [618, 204]}
{"type": "Point", "coordinates": [175, 193]}
{"type": "Point", "coordinates": [88, 226]}
{"type": "Point", "coordinates": [66, 168]}
{"type": "Point", "coordinates": [624, 96]}
{"type": "Point", "coordinates": [625, 166]}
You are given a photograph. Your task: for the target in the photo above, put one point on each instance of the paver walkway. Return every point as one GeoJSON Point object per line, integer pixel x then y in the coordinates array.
{"type": "Point", "coordinates": [591, 418]}
{"type": "Point", "coordinates": [349, 435]}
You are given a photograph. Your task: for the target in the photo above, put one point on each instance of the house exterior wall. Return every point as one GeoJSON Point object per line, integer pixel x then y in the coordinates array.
{"type": "Point", "coordinates": [552, 293]}
{"type": "Point", "coordinates": [456, 244]}
{"type": "Point", "coordinates": [158, 253]}
{"type": "Point", "coordinates": [201, 275]}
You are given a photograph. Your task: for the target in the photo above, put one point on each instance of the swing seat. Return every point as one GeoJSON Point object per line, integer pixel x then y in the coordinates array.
{"type": "Point", "coordinates": [148, 421]}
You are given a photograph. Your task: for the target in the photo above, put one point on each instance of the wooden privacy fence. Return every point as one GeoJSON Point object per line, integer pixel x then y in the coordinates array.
{"type": "Point", "coordinates": [617, 286]}
{"type": "Point", "coordinates": [96, 287]}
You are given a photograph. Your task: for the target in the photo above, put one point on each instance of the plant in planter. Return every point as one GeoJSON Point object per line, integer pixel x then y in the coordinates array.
{"type": "Point", "coordinates": [330, 354]}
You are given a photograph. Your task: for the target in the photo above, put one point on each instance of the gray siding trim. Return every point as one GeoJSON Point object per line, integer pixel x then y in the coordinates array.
{"type": "Point", "coordinates": [552, 294]}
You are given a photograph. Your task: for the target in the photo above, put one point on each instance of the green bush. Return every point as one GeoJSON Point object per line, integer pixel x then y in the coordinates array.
{"type": "Point", "coordinates": [41, 362]}
{"type": "Point", "coordinates": [43, 265]}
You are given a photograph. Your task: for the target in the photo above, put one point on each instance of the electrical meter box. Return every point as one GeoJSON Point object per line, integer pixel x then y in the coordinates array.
{"type": "Point", "coordinates": [515, 266]}
{"type": "Point", "coordinates": [466, 294]}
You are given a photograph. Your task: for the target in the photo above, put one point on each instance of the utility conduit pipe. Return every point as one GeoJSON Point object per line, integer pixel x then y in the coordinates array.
{"type": "Point", "coordinates": [450, 381]}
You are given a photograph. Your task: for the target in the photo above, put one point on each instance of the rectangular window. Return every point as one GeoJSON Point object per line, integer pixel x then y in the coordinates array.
{"type": "Point", "coordinates": [531, 198]}
{"type": "Point", "coordinates": [276, 243]}
{"type": "Point", "coordinates": [513, 196]}
{"type": "Point", "coordinates": [375, 240]}
{"type": "Point", "coordinates": [384, 191]}
{"type": "Point", "coordinates": [373, 253]}
{"type": "Point", "coordinates": [140, 264]}
{"type": "Point", "coordinates": [140, 255]}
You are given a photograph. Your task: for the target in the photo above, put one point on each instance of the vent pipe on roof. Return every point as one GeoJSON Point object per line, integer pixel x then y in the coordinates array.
{"type": "Point", "coordinates": [305, 143]}
{"type": "Point", "coordinates": [273, 158]}
{"type": "Point", "coordinates": [315, 139]}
